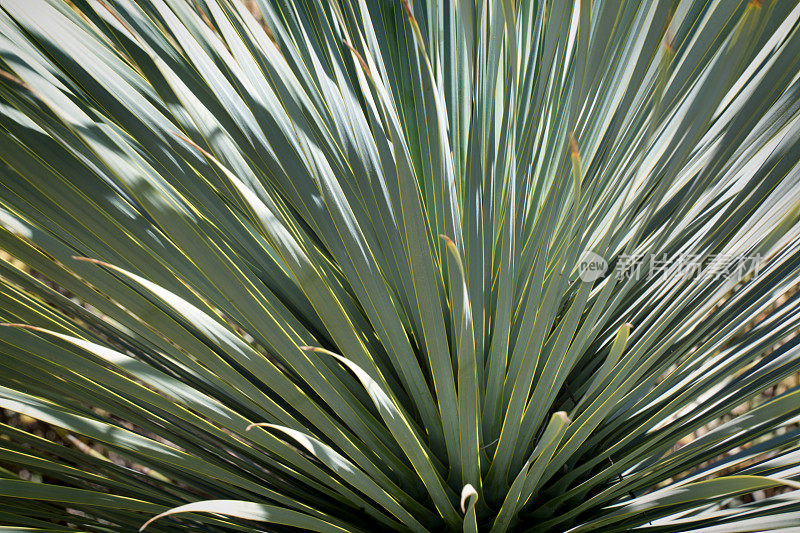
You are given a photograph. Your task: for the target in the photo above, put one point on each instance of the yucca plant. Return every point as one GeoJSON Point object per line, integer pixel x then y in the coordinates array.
{"type": "Point", "coordinates": [377, 265]}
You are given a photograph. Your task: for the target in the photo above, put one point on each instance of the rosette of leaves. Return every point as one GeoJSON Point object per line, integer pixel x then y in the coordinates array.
{"type": "Point", "coordinates": [321, 269]}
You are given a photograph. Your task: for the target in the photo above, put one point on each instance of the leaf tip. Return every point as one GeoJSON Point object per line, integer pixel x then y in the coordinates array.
{"type": "Point", "coordinates": [466, 493]}
{"type": "Point", "coordinates": [259, 425]}
{"type": "Point", "coordinates": [144, 526]}
{"type": "Point", "coordinates": [409, 13]}
{"type": "Point", "coordinates": [573, 148]}
{"type": "Point", "coordinates": [358, 56]}
{"type": "Point", "coordinates": [668, 37]}
{"type": "Point", "coordinates": [90, 260]}
{"type": "Point", "coordinates": [446, 239]}
{"type": "Point", "coordinates": [12, 78]}
{"type": "Point", "coordinates": [191, 143]}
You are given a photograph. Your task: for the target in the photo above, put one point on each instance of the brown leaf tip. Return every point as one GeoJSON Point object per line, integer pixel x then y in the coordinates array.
{"type": "Point", "coordinates": [309, 348]}
{"type": "Point", "coordinates": [668, 41]}
{"type": "Point", "coordinates": [16, 325]}
{"type": "Point", "coordinates": [361, 61]}
{"type": "Point", "coordinates": [668, 32]}
{"type": "Point", "coordinates": [573, 147]}
{"type": "Point", "coordinates": [446, 239]}
{"type": "Point", "coordinates": [408, 11]}
{"type": "Point", "coordinates": [89, 260]}
{"type": "Point", "coordinates": [191, 143]}
{"type": "Point", "coordinates": [10, 77]}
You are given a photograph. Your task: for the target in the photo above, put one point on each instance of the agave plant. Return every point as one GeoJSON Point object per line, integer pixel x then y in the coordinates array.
{"type": "Point", "coordinates": [376, 265]}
